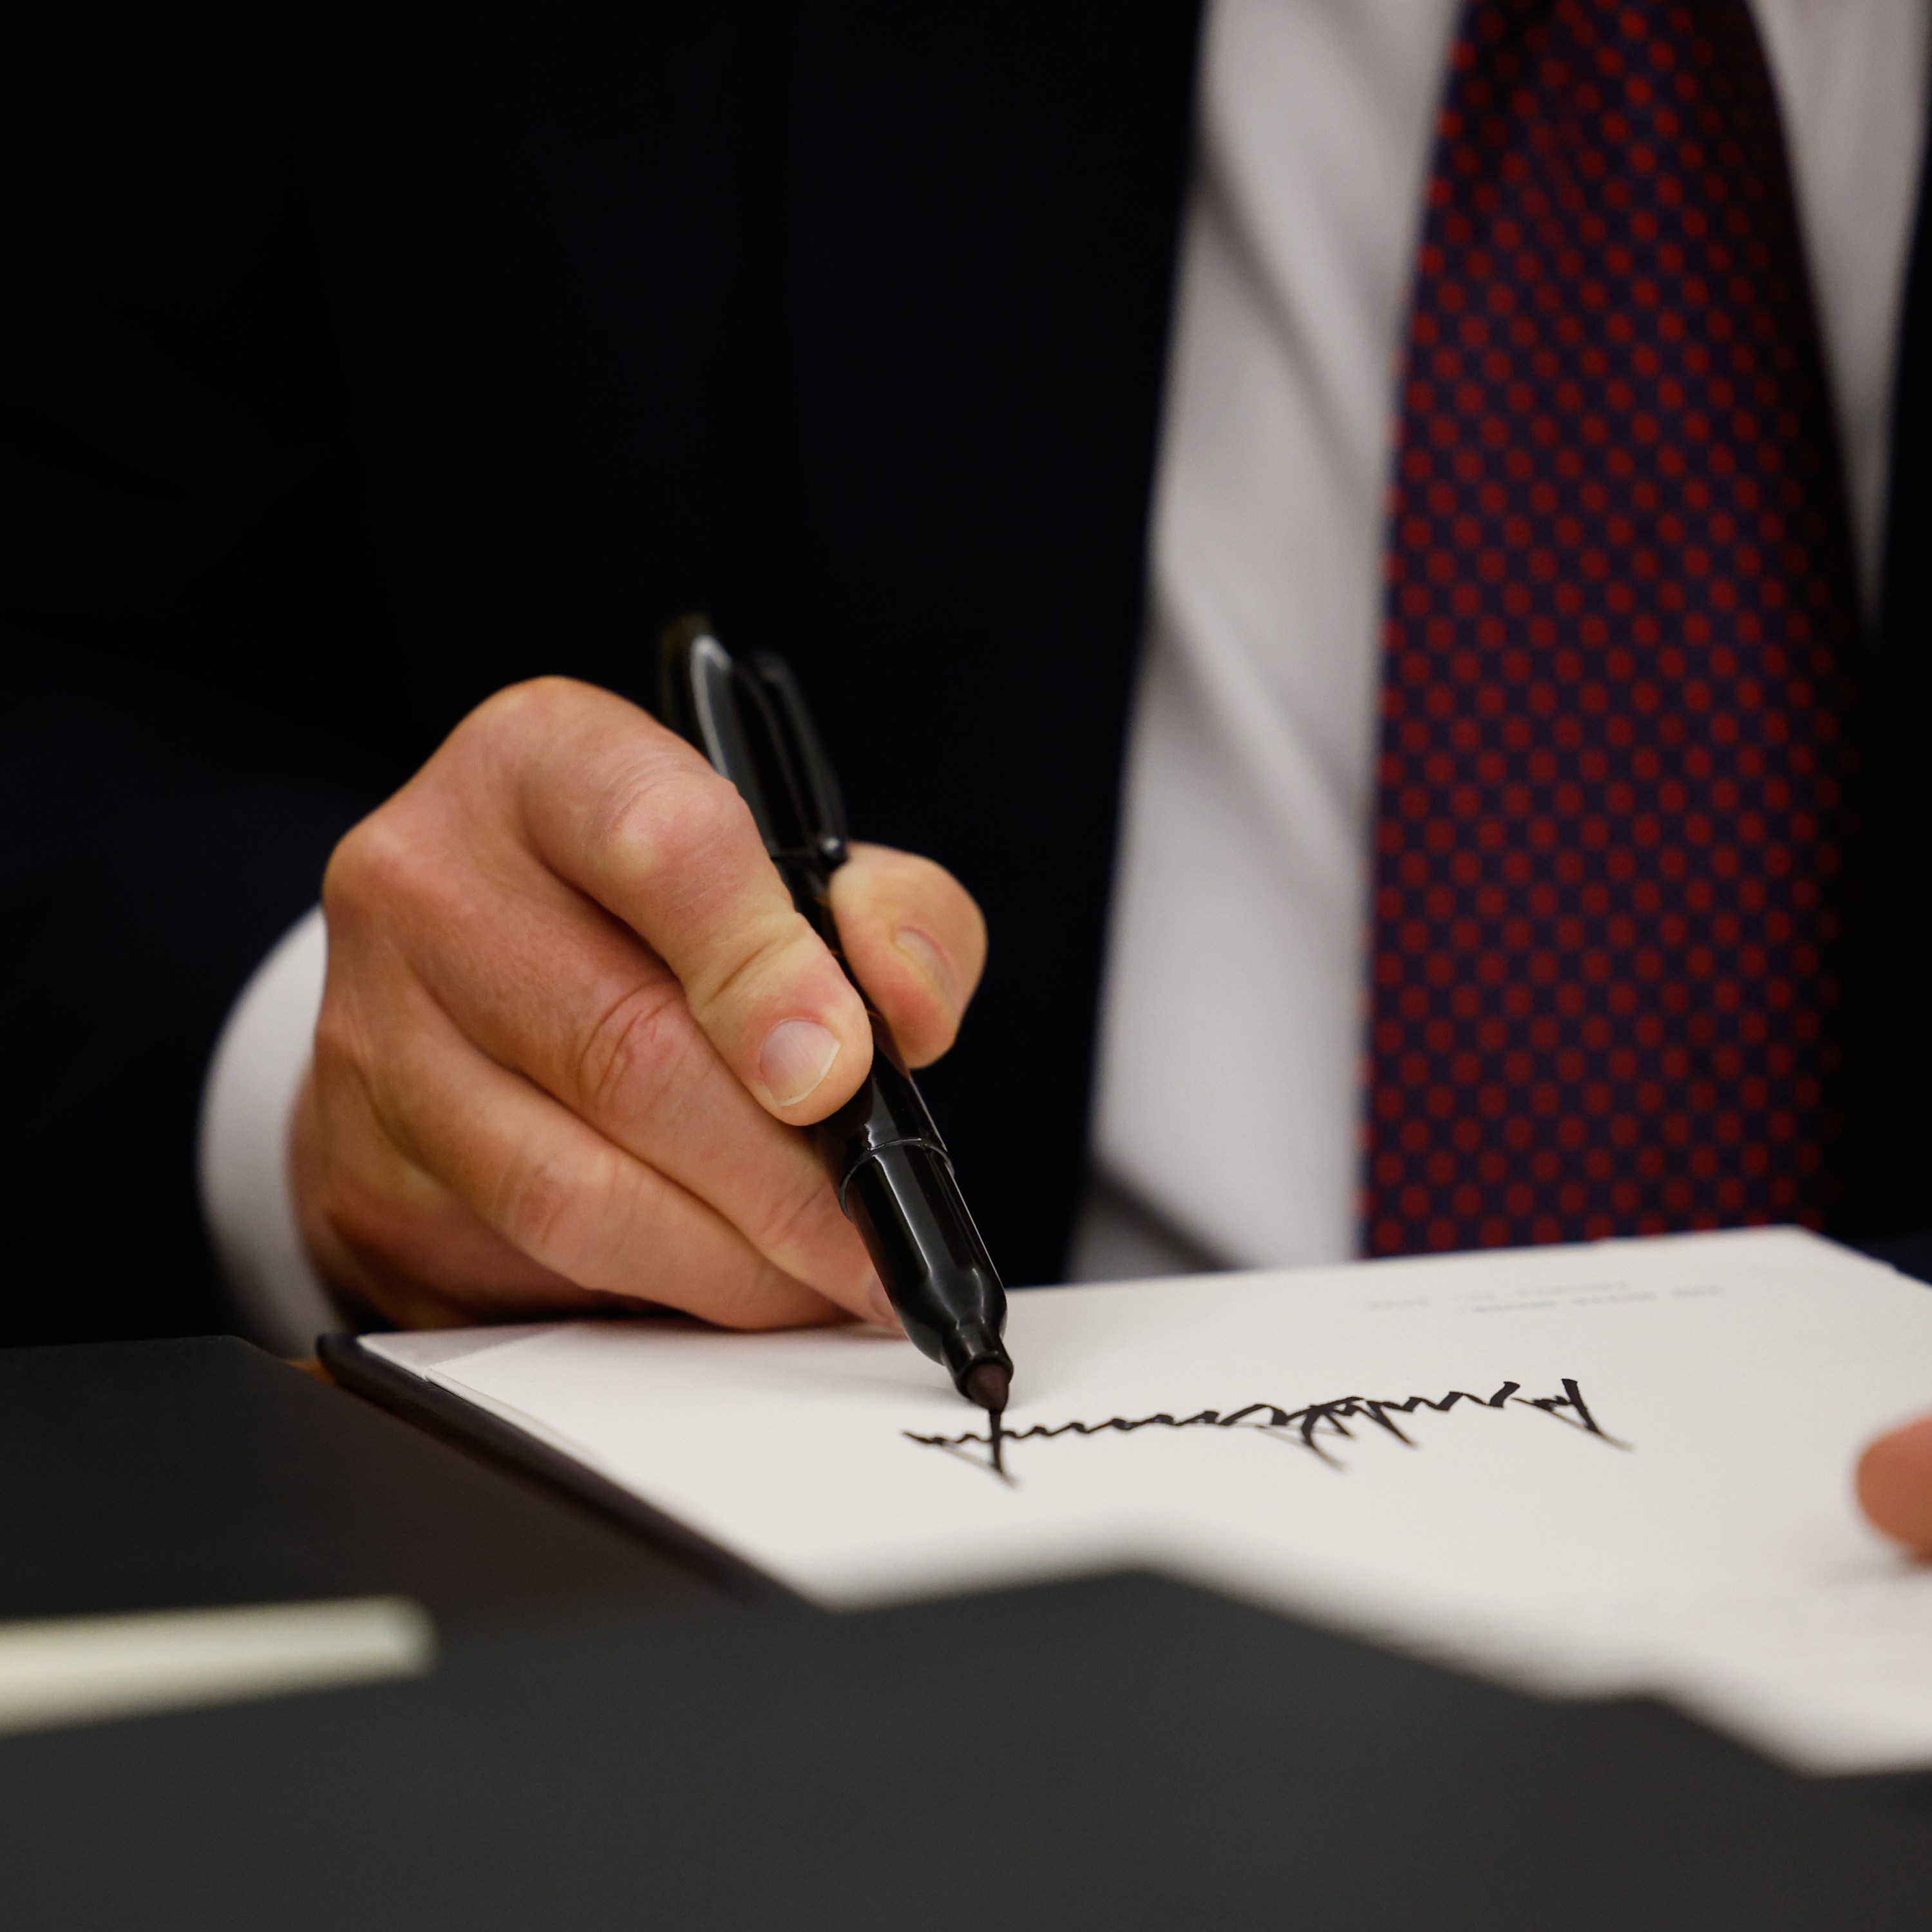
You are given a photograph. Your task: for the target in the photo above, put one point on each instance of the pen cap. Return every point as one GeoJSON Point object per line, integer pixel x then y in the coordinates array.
{"type": "Point", "coordinates": [752, 726]}
{"type": "Point", "coordinates": [822, 803]}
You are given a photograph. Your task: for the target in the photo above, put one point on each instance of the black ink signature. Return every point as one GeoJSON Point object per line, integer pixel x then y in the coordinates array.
{"type": "Point", "coordinates": [1569, 1409]}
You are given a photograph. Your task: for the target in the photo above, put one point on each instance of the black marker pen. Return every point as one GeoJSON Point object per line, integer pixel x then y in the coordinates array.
{"type": "Point", "coordinates": [894, 1177]}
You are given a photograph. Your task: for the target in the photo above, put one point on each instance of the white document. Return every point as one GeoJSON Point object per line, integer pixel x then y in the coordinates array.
{"type": "Point", "coordinates": [1620, 1466]}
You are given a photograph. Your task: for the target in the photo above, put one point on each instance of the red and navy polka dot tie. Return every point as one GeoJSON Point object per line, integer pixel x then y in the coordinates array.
{"type": "Point", "coordinates": [1609, 876]}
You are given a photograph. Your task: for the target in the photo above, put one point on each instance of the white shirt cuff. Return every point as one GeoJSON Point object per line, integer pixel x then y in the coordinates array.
{"type": "Point", "coordinates": [247, 1109]}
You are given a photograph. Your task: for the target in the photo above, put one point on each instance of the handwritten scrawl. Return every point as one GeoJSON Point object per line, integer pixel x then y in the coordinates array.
{"type": "Point", "coordinates": [1302, 1425]}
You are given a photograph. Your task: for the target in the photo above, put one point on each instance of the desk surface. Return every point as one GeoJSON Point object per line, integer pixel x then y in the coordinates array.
{"type": "Point", "coordinates": [610, 1741]}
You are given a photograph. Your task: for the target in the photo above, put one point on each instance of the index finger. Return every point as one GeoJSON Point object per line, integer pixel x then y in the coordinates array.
{"type": "Point", "coordinates": [634, 817]}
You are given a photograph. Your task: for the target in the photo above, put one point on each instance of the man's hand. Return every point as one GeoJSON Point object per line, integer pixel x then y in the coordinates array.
{"type": "Point", "coordinates": [1895, 1483]}
{"type": "Point", "coordinates": [572, 1020]}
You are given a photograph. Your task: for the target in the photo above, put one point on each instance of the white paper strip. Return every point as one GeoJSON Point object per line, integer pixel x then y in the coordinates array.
{"type": "Point", "coordinates": [69, 1670]}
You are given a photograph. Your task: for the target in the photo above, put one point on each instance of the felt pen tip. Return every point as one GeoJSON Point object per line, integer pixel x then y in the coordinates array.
{"type": "Point", "coordinates": [988, 1385]}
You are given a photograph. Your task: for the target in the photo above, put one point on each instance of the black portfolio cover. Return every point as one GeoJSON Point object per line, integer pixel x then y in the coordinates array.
{"type": "Point", "coordinates": [163, 1475]}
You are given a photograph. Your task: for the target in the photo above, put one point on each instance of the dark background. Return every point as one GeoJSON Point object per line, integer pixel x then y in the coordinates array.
{"type": "Point", "coordinates": [356, 361]}
{"type": "Point", "coordinates": [358, 357]}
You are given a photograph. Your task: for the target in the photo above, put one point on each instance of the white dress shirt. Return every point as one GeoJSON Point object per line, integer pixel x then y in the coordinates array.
{"type": "Point", "coordinates": [1226, 1128]}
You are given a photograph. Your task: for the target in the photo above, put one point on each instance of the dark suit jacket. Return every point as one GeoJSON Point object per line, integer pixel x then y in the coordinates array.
{"type": "Point", "coordinates": [358, 357]}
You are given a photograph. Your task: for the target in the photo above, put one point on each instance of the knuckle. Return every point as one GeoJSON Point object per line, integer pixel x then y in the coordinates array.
{"type": "Point", "coordinates": [376, 864]}
{"type": "Point", "coordinates": [632, 1050]}
{"type": "Point", "coordinates": [796, 1220]}
{"type": "Point", "coordinates": [554, 1210]}
{"type": "Point", "coordinates": [671, 833]}
{"type": "Point", "coordinates": [535, 704]}
{"type": "Point", "coordinates": [355, 1206]}
{"type": "Point", "coordinates": [731, 972]}
{"type": "Point", "coordinates": [339, 1051]}
{"type": "Point", "coordinates": [347, 1069]}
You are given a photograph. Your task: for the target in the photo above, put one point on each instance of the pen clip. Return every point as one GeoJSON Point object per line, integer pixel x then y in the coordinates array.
{"type": "Point", "coordinates": [752, 725]}
{"type": "Point", "coordinates": [822, 806]}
